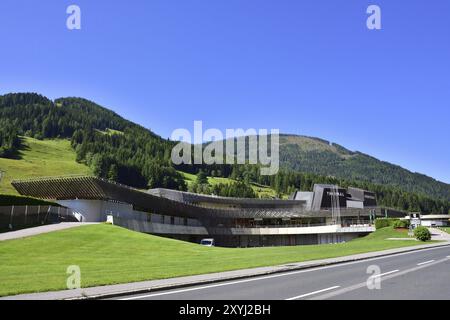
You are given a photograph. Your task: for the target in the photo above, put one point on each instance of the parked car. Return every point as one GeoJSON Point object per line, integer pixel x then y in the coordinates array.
{"type": "Point", "coordinates": [208, 242]}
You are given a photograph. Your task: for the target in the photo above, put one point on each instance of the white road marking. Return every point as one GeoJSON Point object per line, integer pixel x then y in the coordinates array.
{"type": "Point", "coordinates": [426, 262]}
{"type": "Point", "coordinates": [313, 293]}
{"type": "Point", "coordinates": [246, 280]}
{"type": "Point", "coordinates": [364, 284]}
{"type": "Point", "coordinates": [385, 274]}
{"type": "Point", "coordinates": [220, 284]}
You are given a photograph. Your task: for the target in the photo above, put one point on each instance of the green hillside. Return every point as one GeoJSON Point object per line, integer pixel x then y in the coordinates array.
{"type": "Point", "coordinates": [40, 158]}
{"type": "Point", "coordinates": [39, 263]}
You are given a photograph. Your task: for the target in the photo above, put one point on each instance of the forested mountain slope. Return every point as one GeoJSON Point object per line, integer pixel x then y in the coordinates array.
{"type": "Point", "coordinates": [321, 157]}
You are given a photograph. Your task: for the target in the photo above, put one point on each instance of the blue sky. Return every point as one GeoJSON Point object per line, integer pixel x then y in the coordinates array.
{"type": "Point", "coordinates": [304, 67]}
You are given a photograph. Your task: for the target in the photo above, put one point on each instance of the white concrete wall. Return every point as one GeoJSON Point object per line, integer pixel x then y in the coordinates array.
{"type": "Point", "coordinates": [361, 229]}
{"type": "Point", "coordinates": [96, 210]}
{"type": "Point", "coordinates": [158, 228]}
{"type": "Point", "coordinates": [124, 216]}
{"type": "Point", "coordinates": [436, 223]}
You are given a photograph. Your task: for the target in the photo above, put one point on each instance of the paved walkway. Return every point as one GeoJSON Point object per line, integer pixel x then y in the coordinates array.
{"type": "Point", "coordinates": [39, 230]}
{"type": "Point", "coordinates": [439, 235]}
{"type": "Point", "coordinates": [147, 286]}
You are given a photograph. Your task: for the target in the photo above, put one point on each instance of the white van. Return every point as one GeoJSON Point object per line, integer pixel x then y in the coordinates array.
{"type": "Point", "coordinates": [208, 242]}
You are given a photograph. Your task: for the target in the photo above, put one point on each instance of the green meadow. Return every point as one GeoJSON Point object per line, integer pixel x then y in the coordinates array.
{"type": "Point", "coordinates": [40, 158]}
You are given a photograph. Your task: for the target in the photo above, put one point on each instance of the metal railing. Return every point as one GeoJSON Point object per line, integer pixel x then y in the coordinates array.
{"type": "Point", "coordinates": [305, 225]}
{"type": "Point", "coordinates": [20, 217]}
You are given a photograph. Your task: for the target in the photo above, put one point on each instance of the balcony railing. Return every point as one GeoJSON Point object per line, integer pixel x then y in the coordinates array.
{"type": "Point", "coordinates": [363, 225]}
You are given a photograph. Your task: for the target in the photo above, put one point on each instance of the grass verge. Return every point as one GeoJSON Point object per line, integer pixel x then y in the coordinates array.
{"type": "Point", "coordinates": [111, 255]}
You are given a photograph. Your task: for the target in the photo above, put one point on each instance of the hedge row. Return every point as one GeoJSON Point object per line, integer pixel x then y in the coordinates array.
{"type": "Point", "coordinates": [401, 224]}
{"type": "Point", "coordinates": [385, 222]}
{"type": "Point", "coordinates": [391, 222]}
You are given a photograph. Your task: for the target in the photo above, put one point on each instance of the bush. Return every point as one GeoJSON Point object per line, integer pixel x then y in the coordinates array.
{"type": "Point", "coordinates": [385, 222]}
{"type": "Point", "coordinates": [401, 224]}
{"type": "Point", "coordinates": [422, 234]}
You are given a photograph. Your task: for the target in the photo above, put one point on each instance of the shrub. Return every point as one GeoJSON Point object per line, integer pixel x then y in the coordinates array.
{"type": "Point", "coordinates": [422, 234]}
{"type": "Point", "coordinates": [384, 222]}
{"type": "Point", "coordinates": [401, 224]}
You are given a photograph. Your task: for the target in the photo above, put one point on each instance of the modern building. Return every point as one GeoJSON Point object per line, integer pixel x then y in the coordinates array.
{"type": "Point", "coordinates": [432, 220]}
{"type": "Point", "coordinates": [329, 214]}
{"type": "Point", "coordinates": [357, 198]}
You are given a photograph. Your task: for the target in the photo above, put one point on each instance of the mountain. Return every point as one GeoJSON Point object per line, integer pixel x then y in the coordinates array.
{"type": "Point", "coordinates": [321, 157]}
{"type": "Point", "coordinates": [114, 148]}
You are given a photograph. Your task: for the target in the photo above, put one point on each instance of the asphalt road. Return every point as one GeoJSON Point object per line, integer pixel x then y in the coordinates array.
{"type": "Point", "coordinates": [421, 274]}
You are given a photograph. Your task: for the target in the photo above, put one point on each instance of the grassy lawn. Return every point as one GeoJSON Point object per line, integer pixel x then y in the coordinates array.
{"type": "Point", "coordinates": [190, 178]}
{"type": "Point", "coordinates": [40, 159]}
{"type": "Point", "coordinates": [110, 255]}
{"type": "Point", "coordinates": [110, 132]}
{"type": "Point", "coordinates": [266, 192]}
{"type": "Point", "coordinates": [397, 233]}
{"type": "Point", "coordinates": [447, 229]}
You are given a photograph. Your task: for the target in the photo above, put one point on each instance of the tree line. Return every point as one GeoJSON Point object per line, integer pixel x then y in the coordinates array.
{"type": "Point", "coordinates": [235, 189]}
{"type": "Point", "coordinates": [9, 140]}
{"type": "Point", "coordinates": [329, 159]}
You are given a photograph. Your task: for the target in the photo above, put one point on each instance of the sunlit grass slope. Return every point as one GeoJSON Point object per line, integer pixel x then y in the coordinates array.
{"type": "Point", "coordinates": [40, 158]}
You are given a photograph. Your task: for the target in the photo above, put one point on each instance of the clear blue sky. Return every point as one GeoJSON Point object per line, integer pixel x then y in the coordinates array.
{"type": "Point", "coordinates": [305, 67]}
